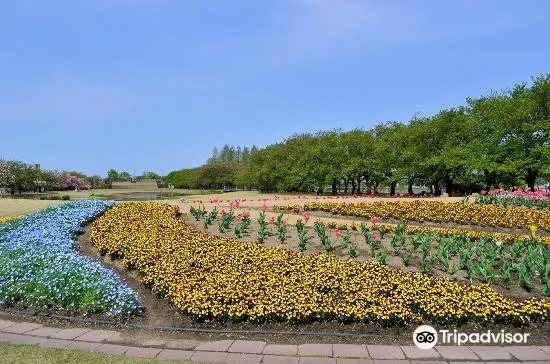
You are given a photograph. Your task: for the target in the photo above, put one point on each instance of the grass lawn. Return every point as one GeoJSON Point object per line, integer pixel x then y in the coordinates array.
{"type": "Point", "coordinates": [14, 207]}
{"type": "Point", "coordinates": [126, 188]}
{"type": "Point", "coordinates": [24, 354]}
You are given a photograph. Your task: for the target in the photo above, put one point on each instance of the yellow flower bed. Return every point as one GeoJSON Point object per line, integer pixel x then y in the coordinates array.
{"type": "Point", "coordinates": [219, 277]}
{"type": "Point", "coordinates": [474, 235]}
{"type": "Point", "coordinates": [436, 211]}
{"type": "Point", "coordinates": [8, 218]}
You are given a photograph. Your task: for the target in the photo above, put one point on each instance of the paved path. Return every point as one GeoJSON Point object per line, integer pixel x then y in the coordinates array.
{"type": "Point", "coordinates": [245, 352]}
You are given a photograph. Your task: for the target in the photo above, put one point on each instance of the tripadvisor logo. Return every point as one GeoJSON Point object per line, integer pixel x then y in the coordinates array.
{"type": "Point", "coordinates": [426, 337]}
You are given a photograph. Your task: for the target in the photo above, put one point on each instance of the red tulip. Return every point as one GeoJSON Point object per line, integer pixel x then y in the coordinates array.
{"type": "Point", "coordinates": [338, 233]}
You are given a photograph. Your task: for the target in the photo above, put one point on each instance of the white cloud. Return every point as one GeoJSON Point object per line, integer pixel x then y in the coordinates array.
{"type": "Point", "coordinates": [65, 100]}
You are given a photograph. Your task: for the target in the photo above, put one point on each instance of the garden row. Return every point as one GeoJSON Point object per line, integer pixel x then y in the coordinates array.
{"type": "Point", "coordinates": [40, 267]}
{"type": "Point", "coordinates": [219, 277]}
{"type": "Point", "coordinates": [450, 232]}
{"type": "Point", "coordinates": [436, 211]}
{"type": "Point", "coordinates": [243, 223]}
{"type": "Point", "coordinates": [538, 199]}
{"type": "Point", "coordinates": [480, 256]}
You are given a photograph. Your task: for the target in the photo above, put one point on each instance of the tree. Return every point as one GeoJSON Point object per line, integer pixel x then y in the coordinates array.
{"type": "Point", "coordinates": [150, 175]}
{"type": "Point", "coordinates": [124, 176]}
{"type": "Point", "coordinates": [394, 155]}
{"type": "Point", "coordinates": [527, 138]}
{"type": "Point", "coordinates": [217, 175]}
{"type": "Point", "coordinates": [7, 177]}
{"type": "Point", "coordinates": [112, 174]}
{"type": "Point", "coordinates": [185, 178]}
{"type": "Point", "coordinates": [95, 181]}
{"type": "Point", "coordinates": [498, 139]}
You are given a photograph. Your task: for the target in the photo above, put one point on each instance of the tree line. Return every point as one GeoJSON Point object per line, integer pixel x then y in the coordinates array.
{"type": "Point", "coordinates": [19, 177]}
{"type": "Point", "coordinates": [114, 175]}
{"type": "Point", "coordinates": [498, 140]}
{"type": "Point", "coordinates": [226, 167]}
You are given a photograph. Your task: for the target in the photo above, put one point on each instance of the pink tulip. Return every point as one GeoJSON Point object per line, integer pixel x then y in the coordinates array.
{"type": "Point", "coordinates": [306, 217]}
{"type": "Point", "coordinates": [222, 212]}
{"type": "Point", "coordinates": [272, 218]}
{"type": "Point", "coordinates": [338, 233]}
{"type": "Point", "coordinates": [374, 220]}
{"type": "Point", "coordinates": [375, 236]}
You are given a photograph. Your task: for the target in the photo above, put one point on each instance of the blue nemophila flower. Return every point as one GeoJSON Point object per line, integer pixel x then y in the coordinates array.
{"type": "Point", "coordinates": [40, 267]}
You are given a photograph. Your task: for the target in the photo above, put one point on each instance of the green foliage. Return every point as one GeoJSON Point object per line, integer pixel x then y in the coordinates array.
{"type": "Point", "coordinates": [242, 227]}
{"type": "Point", "coordinates": [185, 178]}
{"type": "Point", "coordinates": [381, 256]}
{"type": "Point", "coordinates": [262, 227]}
{"type": "Point", "coordinates": [198, 213]}
{"type": "Point", "coordinates": [323, 236]}
{"type": "Point", "coordinates": [112, 174]}
{"type": "Point", "coordinates": [211, 217]}
{"type": "Point", "coordinates": [499, 139]}
{"type": "Point", "coordinates": [302, 235]}
{"type": "Point", "coordinates": [226, 221]}
{"type": "Point", "coordinates": [398, 239]}
{"type": "Point", "coordinates": [281, 233]}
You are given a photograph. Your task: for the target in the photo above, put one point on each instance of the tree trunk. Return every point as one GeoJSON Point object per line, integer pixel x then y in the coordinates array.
{"type": "Point", "coordinates": [530, 178]}
{"type": "Point", "coordinates": [410, 187]}
{"type": "Point", "coordinates": [353, 186]}
{"type": "Point", "coordinates": [375, 188]}
{"type": "Point", "coordinates": [489, 178]}
{"type": "Point", "coordinates": [359, 185]}
{"type": "Point", "coordinates": [334, 190]}
{"type": "Point", "coordinates": [392, 188]}
{"type": "Point", "coordinates": [346, 184]}
{"type": "Point", "coordinates": [449, 185]}
{"type": "Point", "coordinates": [437, 187]}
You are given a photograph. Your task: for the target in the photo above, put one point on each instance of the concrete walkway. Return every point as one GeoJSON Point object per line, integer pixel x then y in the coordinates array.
{"type": "Point", "coordinates": [241, 351]}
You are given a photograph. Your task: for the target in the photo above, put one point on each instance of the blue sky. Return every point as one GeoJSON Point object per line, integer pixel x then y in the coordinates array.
{"type": "Point", "coordinates": [155, 85]}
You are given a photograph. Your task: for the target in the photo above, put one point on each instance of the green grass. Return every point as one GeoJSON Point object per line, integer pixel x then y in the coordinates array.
{"type": "Point", "coordinates": [11, 206]}
{"type": "Point", "coordinates": [120, 188]}
{"type": "Point", "coordinates": [26, 354]}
